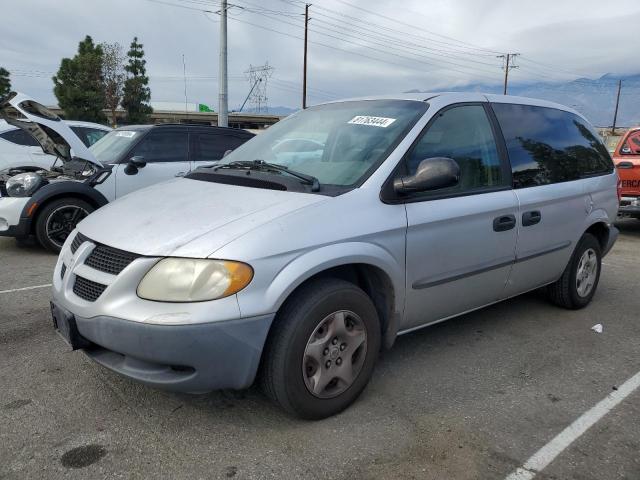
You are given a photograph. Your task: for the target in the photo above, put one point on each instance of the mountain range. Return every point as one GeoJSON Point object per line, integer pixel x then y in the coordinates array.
{"type": "Point", "coordinates": [594, 98]}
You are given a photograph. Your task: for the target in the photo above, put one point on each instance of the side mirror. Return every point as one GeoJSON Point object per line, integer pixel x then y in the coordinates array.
{"type": "Point", "coordinates": [432, 174]}
{"type": "Point", "coordinates": [227, 152]}
{"type": "Point", "coordinates": [138, 161]}
{"type": "Point", "coordinates": [134, 164]}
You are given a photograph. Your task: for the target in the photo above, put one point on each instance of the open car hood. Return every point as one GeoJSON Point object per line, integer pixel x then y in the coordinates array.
{"type": "Point", "coordinates": [54, 136]}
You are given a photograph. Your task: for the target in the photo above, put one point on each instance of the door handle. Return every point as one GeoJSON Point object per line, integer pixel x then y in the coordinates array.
{"type": "Point", "coordinates": [531, 218]}
{"type": "Point", "coordinates": [504, 223]}
{"type": "Point", "coordinates": [180, 174]}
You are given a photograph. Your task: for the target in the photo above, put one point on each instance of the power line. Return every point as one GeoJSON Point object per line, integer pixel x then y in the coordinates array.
{"type": "Point", "coordinates": [387, 51]}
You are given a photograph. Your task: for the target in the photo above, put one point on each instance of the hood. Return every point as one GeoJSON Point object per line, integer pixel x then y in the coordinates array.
{"type": "Point", "coordinates": [54, 136]}
{"type": "Point", "coordinates": [188, 218]}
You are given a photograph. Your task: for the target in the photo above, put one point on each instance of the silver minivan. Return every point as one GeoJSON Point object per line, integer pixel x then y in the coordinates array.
{"type": "Point", "coordinates": [302, 253]}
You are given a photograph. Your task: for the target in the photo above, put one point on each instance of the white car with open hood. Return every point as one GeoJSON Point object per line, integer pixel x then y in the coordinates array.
{"type": "Point", "coordinates": [49, 202]}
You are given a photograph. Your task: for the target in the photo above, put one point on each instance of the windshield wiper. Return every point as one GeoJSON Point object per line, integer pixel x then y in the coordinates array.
{"type": "Point", "coordinates": [265, 166]}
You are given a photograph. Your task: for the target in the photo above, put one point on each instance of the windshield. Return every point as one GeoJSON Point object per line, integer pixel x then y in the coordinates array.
{"type": "Point", "coordinates": [338, 143]}
{"type": "Point", "coordinates": [110, 147]}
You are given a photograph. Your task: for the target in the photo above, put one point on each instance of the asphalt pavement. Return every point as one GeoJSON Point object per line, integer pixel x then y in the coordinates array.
{"type": "Point", "coordinates": [471, 398]}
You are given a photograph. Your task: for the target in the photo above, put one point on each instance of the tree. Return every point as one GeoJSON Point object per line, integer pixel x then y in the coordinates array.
{"type": "Point", "coordinates": [5, 82]}
{"type": "Point", "coordinates": [113, 76]}
{"type": "Point", "coordinates": [136, 90]}
{"type": "Point", "coordinates": [78, 85]}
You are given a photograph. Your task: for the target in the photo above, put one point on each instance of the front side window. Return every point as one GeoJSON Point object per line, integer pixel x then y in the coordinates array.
{"type": "Point", "coordinates": [547, 145]}
{"type": "Point", "coordinates": [338, 143]}
{"type": "Point", "coordinates": [464, 134]}
{"type": "Point", "coordinates": [163, 147]}
{"type": "Point", "coordinates": [19, 137]}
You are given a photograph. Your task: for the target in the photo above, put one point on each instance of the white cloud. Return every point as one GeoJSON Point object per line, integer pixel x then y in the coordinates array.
{"type": "Point", "coordinates": [586, 37]}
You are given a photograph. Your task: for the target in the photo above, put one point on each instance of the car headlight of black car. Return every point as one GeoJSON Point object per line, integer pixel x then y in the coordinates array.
{"type": "Point", "coordinates": [24, 184]}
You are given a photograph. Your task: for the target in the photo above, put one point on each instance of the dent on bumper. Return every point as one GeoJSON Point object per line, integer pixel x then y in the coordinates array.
{"type": "Point", "coordinates": [186, 358]}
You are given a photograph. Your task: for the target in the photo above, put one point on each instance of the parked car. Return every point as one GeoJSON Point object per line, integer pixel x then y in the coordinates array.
{"type": "Point", "coordinates": [19, 149]}
{"type": "Point", "coordinates": [627, 160]}
{"type": "Point", "coordinates": [417, 208]}
{"type": "Point", "coordinates": [50, 203]}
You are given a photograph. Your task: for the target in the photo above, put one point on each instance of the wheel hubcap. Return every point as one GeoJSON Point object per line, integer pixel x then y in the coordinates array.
{"type": "Point", "coordinates": [334, 354]}
{"type": "Point", "coordinates": [587, 272]}
{"type": "Point", "coordinates": [62, 221]}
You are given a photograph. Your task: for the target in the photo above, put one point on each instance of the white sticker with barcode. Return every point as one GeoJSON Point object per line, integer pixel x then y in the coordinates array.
{"type": "Point", "coordinates": [382, 122]}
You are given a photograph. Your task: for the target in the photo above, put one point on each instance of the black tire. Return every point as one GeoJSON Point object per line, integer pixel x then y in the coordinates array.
{"type": "Point", "coordinates": [282, 376]}
{"type": "Point", "coordinates": [564, 292]}
{"type": "Point", "coordinates": [72, 209]}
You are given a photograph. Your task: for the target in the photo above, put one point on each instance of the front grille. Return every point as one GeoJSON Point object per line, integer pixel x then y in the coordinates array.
{"type": "Point", "coordinates": [87, 289]}
{"type": "Point", "coordinates": [109, 259]}
{"type": "Point", "coordinates": [63, 270]}
{"type": "Point", "coordinates": [78, 240]}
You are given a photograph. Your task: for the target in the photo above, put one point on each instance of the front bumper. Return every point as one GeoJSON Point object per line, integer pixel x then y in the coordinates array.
{"type": "Point", "coordinates": [12, 223]}
{"type": "Point", "coordinates": [184, 358]}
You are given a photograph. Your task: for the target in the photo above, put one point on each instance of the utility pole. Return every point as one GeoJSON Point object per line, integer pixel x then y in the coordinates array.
{"type": "Point", "coordinates": [223, 105]}
{"type": "Point", "coordinates": [615, 114]}
{"type": "Point", "coordinates": [509, 64]}
{"type": "Point", "coordinates": [304, 71]}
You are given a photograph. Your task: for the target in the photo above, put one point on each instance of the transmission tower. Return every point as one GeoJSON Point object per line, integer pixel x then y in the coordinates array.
{"type": "Point", "coordinates": [258, 77]}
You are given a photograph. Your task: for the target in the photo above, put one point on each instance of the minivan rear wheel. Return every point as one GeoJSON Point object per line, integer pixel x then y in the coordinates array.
{"type": "Point", "coordinates": [577, 285]}
{"type": "Point", "coordinates": [322, 349]}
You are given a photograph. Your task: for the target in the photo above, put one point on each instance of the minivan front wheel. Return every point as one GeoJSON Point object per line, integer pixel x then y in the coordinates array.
{"type": "Point", "coordinates": [578, 283]}
{"type": "Point", "coordinates": [322, 349]}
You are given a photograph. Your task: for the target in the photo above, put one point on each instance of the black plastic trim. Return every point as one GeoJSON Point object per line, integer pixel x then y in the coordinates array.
{"type": "Point", "coordinates": [426, 283]}
{"type": "Point", "coordinates": [61, 189]}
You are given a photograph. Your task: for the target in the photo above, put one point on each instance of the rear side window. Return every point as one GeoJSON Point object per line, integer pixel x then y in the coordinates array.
{"type": "Point", "coordinates": [19, 137]}
{"type": "Point", "coordinates": [211, 146]}
{"type": "Point", "coordinates": [163, 147]}
{"type": "Point", "coordinates": [547, 145]}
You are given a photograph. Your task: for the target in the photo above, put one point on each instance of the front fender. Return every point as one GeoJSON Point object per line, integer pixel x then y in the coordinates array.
{"type": "Point", "coordinates": [59, 190]}
{"type": "Point", "coordinates": [310, 263]}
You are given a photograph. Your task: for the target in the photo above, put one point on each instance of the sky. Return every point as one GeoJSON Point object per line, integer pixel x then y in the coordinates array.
{"type": "Point", "coordinates": [356, 47]}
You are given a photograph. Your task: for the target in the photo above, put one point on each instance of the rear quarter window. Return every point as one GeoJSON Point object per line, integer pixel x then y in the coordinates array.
{"type": "Point", "coordinates": [19, 137]}
{"type": "Point", "coordinates": [547, 145]}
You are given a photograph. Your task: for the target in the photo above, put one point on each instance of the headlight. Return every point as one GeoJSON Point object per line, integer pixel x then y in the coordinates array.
{"type": "Point", "coordinates": [194, 280]}
{"type": "Point", "coordinates": [24, 184]}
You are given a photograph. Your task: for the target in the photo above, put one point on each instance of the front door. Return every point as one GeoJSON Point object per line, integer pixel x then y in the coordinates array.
{"type": "Point", "coordinates": [460, 240]}
{"type": "Point", "coordinates": [166, 153]}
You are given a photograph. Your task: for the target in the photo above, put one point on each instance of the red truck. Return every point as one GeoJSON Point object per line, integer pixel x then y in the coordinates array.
{"type": "Point", "coordinates": [627, 160]}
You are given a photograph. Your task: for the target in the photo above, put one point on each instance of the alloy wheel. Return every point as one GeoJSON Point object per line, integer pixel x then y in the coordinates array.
{"type": "Point", "coordinates": [62, 221]}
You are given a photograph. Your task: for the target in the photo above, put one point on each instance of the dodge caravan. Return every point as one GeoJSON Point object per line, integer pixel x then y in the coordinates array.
{"type": "Point", "coordinates": [296, 265]}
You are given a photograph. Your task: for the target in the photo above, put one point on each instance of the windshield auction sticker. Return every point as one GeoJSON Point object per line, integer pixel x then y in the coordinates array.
{"type": "Point", "coordinates": [382, 122]}
{"type": "Point", "coordinates": [125, 133]}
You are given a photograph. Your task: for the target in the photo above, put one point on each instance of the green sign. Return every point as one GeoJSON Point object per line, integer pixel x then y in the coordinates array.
{"type": "Point", "coordinates": [204, 108]}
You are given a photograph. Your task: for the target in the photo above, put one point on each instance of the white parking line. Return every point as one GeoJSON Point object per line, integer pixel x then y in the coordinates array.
{"type": "Point", "coordinates": [25, 288]}
{"type": "Point", "coordinates": [543, 457]}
